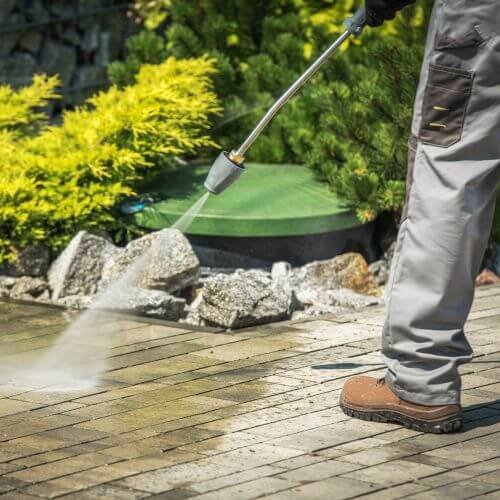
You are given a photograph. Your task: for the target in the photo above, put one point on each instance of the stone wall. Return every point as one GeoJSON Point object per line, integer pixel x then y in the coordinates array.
{"type": "Point", "coordinates": [73, 38]}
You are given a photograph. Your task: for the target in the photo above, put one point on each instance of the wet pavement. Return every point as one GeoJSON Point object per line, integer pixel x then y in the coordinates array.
{"type": "Point", "coordinates": [184, 413]}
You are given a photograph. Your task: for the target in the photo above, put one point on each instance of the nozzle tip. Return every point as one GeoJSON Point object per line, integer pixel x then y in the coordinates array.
{"type": "Point", "coordinates": [222, 174]}
{"type": "Point", "coordinates": [208, 188]}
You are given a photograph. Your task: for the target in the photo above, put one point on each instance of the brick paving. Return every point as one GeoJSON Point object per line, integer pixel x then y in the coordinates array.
{"type": "Point", "coordinates": [183, 413]}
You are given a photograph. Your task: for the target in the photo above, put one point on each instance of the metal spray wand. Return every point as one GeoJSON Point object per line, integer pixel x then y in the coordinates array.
{"type": "Point", "coordinates": [228, 167]}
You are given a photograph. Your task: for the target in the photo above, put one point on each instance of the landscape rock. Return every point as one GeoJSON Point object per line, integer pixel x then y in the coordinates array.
{"type": "Point", "coordinates": [169, 264]}
{"type": "Point", "coordinates": [71, 36]}
{"type": "Point", "coordinates": [487, 277]}
{"type": "Point", "coordinates": [193, 316]}
{"type": "Point", "coordinates": [7, 282]}
{"type": "Point", "coordinates": [32, 261]}
{"type": "Point", "coordinates": [280, 274]}
{"type": "Point", "coordinates": [339, 298]}
{"type": "Point", "coordinates": [36, 11]}
{"type": "Point", "coordinates": [352, 300]}
{"type": "Point", "coordinates": [19, 66]}
{"type": "Point", "coordinates": [245, 298]}
{"type": "Point", "coordinates": [281, 271]}
{"type": "Point", "coordinates": [6, 7]}
{"type": "Point", "coordinates": [27, 287]}
{"type": "Point", "coordinates": [31, 41]}
{"type": "Point", "coordinates": [78, 269]}
{"type": "Point", "coordinates": [153, 303]}
{"type": "Point", "coordinates": [349, 270]}
{"type": "Point", "coordinates": [90, 41]}
{"type": "Point", "coordinates": [389, 254]}
{"type": "Point", "coordinates": [9, 40]}
{"type": "Point", "coordinates": [58, 59]}
{"type": "Point", "coordinates": [318, 310]}
{"type": "Point", "coordinates": [380, 271]}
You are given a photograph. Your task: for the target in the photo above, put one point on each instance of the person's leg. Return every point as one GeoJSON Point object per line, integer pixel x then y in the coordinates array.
{"type": "Point", "coordinates": [450, 203]}
{"type": "Point", "coordinates": [454, 171]}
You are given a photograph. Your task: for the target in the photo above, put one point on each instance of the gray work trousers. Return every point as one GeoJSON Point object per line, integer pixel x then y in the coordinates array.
{"type": "Point", "coordinates": [453, 175]}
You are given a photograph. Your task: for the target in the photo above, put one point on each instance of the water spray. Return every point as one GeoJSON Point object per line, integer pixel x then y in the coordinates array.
{"type": "Point", "coordinates": [228, 167]}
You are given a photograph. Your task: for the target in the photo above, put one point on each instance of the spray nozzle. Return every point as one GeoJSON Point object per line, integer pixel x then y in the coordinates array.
{"type": "Point", "coordinates": [226, 169]}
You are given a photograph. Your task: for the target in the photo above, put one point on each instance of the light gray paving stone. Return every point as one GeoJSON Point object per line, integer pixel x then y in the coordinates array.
{"type": "Point", "coordinates": [319, 471]}
{"type": "Point", "coordinates": [252, 489]}
{"type": "Point", "coordinates": [335, 488]}
{"type": "Point", "coordinates": [396, 492]}
{"type": "Point", "coordinates": [467, 488]}
{"type": "Point", "coordinates": [385, 453]}
{"type": "Point", "coordinates": [298, 462]}
{"type": "Point", "coordinates": [233, 479]}
{"type": "Point", "coordinates": [180, 475]}
{"type": "Point", "coordinates": [254, 456]}
{"type": "Point", "coordinates": [394, 472]}
{"type": "Point", "coordinates": [331, 435]}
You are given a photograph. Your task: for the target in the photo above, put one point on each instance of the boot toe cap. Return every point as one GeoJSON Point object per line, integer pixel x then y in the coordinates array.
{"type": "Point", "coordinates": [356, 390]}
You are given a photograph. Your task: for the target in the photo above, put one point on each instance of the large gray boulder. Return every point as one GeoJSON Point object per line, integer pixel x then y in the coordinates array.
{"type": "Point", "coordinates": [152, 303]}
{"type": "Point", "coordinates": [245, 298]}
{"type": "Point", "coordinates": [168, 263]}
{"type": "Point", "coordinates": [78, 269]}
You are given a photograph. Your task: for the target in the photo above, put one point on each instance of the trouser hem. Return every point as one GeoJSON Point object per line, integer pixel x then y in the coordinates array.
{"type": "Point", "coordinates": [450, 398]}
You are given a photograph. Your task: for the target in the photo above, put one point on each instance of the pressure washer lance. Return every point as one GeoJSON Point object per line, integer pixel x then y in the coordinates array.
{"type": "Point", "coordinates": [228, 167]}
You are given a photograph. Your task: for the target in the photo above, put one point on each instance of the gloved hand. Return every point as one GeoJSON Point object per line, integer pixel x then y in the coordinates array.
{"type": "Point", "coordinates": [378, 11]}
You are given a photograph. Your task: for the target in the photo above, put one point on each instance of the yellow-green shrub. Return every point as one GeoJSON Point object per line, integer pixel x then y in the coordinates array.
{"type": "Point", "coordinates": [60, 179]}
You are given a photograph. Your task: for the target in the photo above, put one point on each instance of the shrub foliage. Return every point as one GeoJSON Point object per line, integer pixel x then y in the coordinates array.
{"type": "Point", "coordinates": [365, 105]}
{"type": "Point", "coordinates": [59, 179]}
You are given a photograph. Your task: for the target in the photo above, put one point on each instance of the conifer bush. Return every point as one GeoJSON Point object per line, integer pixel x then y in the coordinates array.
{"type": "Point", "coordinates": [144, 48]}
{"type": "Point", "coordinates": [59, 179]}
{"type": "Point", "coordinates": [364, 108]}
{"type": "Point", "coordinates": [260, 48]}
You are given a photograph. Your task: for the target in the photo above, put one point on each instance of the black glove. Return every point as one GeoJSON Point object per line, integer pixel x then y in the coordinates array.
{"type": "Point", "coordinates": [378, 11]}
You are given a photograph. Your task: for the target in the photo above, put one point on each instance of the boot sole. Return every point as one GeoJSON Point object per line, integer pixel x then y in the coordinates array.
{"type": "Point", "coordinates": [451, 424]}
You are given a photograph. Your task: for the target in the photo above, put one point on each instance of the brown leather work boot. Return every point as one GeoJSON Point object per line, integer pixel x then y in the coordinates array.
{"type": "Point", "coordinates": [367, 398]}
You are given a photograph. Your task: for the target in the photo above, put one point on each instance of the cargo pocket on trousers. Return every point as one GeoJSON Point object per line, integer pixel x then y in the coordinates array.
{"type": "Point", "coordinates": [445, 103]}
{"type": "Point", "coordinates": [471, 38]}
{"type": "Point", "coordinates": [412, 153]}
